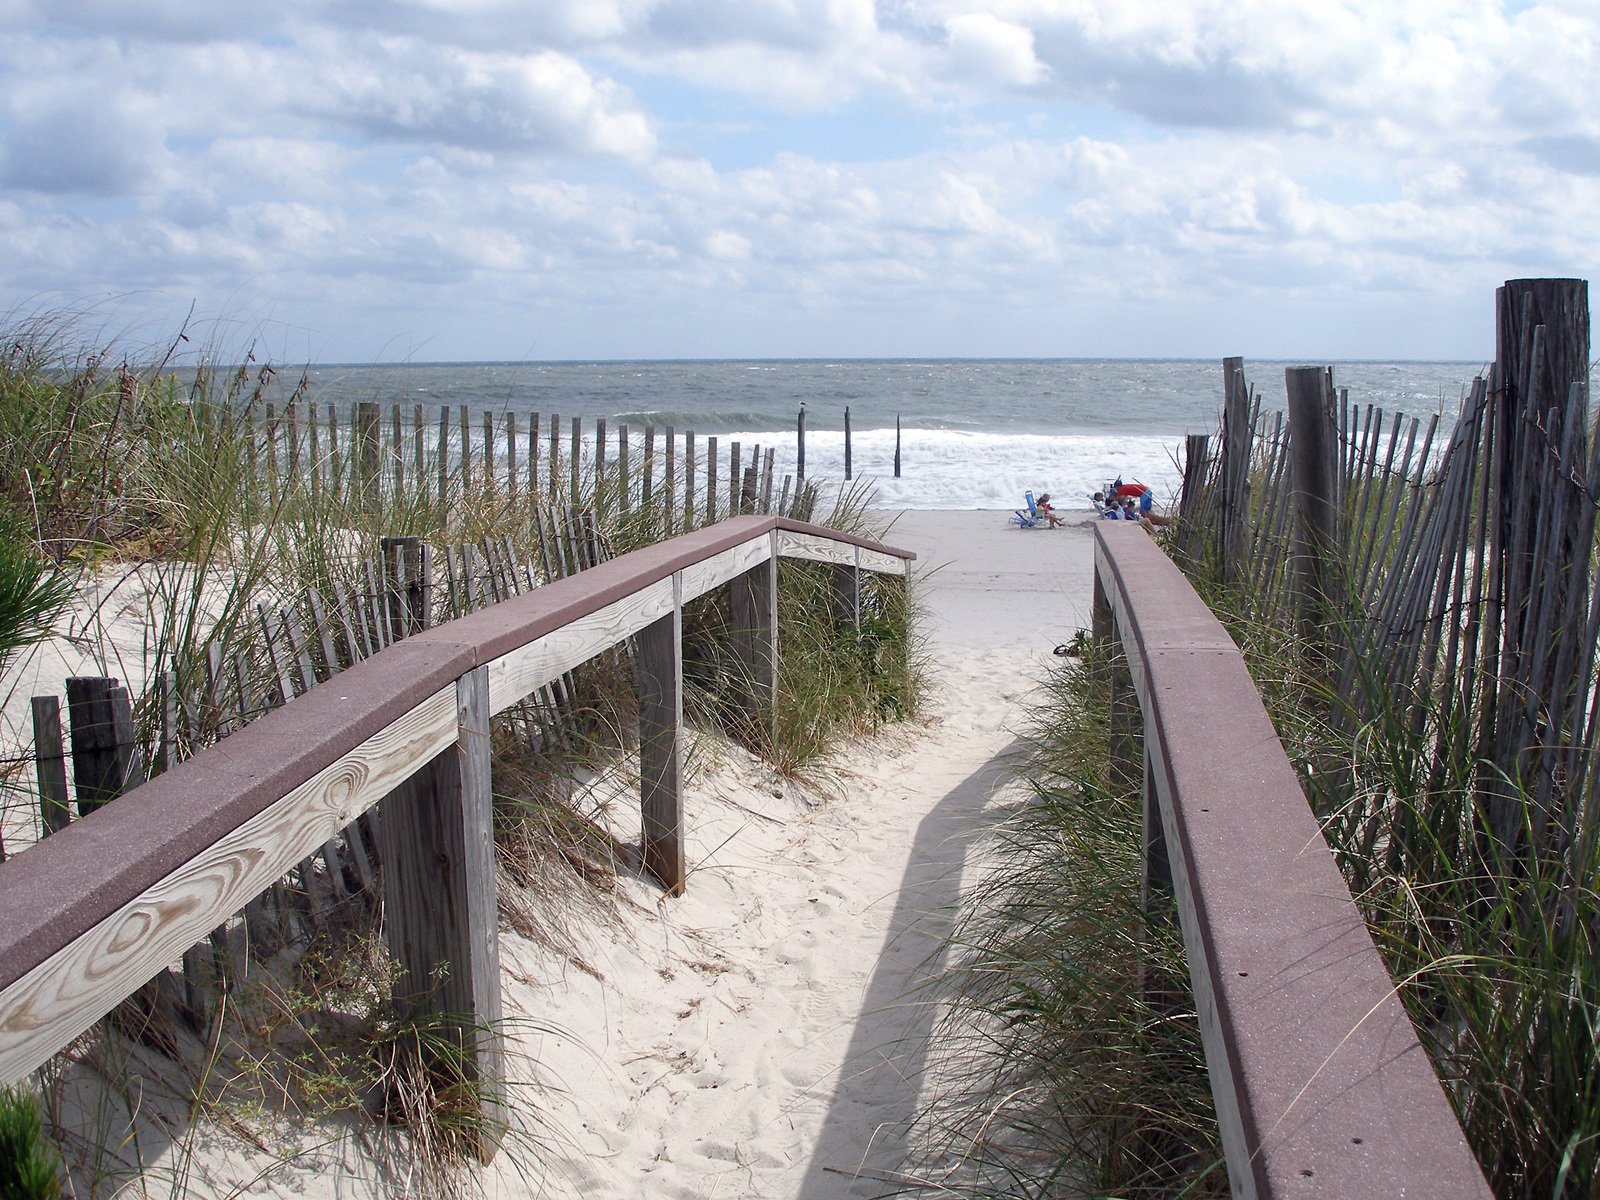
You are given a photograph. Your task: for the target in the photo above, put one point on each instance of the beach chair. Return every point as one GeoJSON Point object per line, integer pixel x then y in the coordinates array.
{"type": "Point", "coordinates": [1030, 517]}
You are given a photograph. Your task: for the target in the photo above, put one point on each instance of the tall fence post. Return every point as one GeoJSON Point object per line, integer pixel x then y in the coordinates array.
{"type": "Point", "coordinates": [660, 676]}
{"type": "Point", "coordinates": [847, 461]}
{"type": "Point", "coordinates": [1234, 526]}
{"type": "Point", "coordinates": [1317, 544]}
{"type": "Point", "coordinates": [368, 414]}
{"type": "Point", "coordinates": [440, 916]}
{"type": "Point", "coordinates": [754, 601]}
{"type": "Point", "coordinates": [800, 447]}
{"type": "Point", "coordinates": [104, 754]}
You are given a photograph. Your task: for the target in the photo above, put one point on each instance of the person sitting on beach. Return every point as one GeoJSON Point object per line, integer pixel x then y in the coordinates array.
{"type": "Point", "coordinates": [1047, 510]}
{"type": "Point", "coordinates": [1112, 512]}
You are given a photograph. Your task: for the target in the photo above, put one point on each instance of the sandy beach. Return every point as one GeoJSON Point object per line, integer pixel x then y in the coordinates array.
{"type": "Point", "coordinates": [764, 1035]}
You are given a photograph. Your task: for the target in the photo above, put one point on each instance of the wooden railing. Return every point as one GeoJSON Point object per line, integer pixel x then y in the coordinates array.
{"type": "Point", "coordinates": [1322, 1088]}
{"type": "Point", "coordinates": [97, 909]}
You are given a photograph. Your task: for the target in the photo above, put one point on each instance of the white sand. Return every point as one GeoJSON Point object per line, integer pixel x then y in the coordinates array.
{"type": "Point", "coordinates": [762, 1036]}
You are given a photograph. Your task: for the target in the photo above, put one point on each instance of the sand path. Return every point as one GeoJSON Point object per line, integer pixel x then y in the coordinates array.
{"type": "Point", "coordinates": [762, 1035]}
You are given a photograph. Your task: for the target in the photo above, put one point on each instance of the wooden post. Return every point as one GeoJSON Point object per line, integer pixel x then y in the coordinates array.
{"type": "Point", "coordinates": [747, 491]}
{"type": "Point", "coordinates": [754, 602]}
{"type": "Point", "coordinates": [688, 481]}
{"type": "Point", "coordinates": [1234, 526]}
{"type": "Point", "coordinates": [660, 677]}
{"type": "Point", "coordinates": [623, 482]}
{"type": "Point", "coordinates": [408, 567]}
{"type": "Point", "coordinates": [647, 481]}
{"type": "Point", "coordinates": [847, 441]}
{"type": "Point", "coordinates": [599, 460]}
{"type": "Point", "coordinates": [897, 445]}
{"type": "Point", "coordinates": [1317, 544]}
{"type": "Point", "coordinates": [555, 452]}
{"type": "Point", "coordinates": [800, 449]}
{"type": "Point", "coordinates": [444, 453]}
{"type": "Point", "coordinates": [105, 758]}
{"type": "Point", "coordinates": [464, 421]}
{"type": "Point", "coordinates": [669, 481]}
{"type": "Point", "coordinates": [533, 456]}
{"type": "Point", "coordinates": [711, 480]}
{"type": "Point", "coordinates": [368, 414]}
{"type": "Point", "coordinates": [50, 765]}
{"type": "Point", "coordinates": [846, 593]}
{"type": "Point", "coordinates": [577, 458]}
{"type": "Point", "coordinates": [735, 479]}
{"type": "Point", "coordinates": [440, 918]}
{"type": "Point", "coordinates": [488, 450]}
{"type": "Point", "coordinates": [512, 481]}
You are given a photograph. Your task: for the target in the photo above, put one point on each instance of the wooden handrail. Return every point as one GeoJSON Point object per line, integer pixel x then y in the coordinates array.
{"type": "Point", "coordinates": [1322, 1088]}
{"type": "Point", "coordinates": [94, 911]}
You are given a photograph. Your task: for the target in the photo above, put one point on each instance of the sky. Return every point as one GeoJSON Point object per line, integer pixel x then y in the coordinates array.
{"type": "Point", "coordinates": [460, 180]}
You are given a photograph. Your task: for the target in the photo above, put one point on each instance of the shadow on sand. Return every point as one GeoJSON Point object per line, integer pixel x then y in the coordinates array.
{"type": "Point", "coordinates": [863, 1141]}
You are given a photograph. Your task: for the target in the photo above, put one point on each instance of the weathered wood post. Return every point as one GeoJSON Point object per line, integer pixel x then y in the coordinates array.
{"type": "Point", "coordinates": [624, 482]}
{"type": "Point", "coordinates": [897, 445]}
{"type": "Point", "coordinates": [408, 570]}
{"type": "Point", "coordinates": [368, 414]}
{"type": "Point", "coordinates": [659, 668]}
{"type": "Point", "coordinates": [845, 591]}
{"type": "Point", "coordinates": [105, 758]}
{"type": "Point", "coordinates": [754, 602]}
{"type": "Point", "coordinates": [847, 459]}
{"type": "Point", "coordinates": [711, 480]}
{"type": "Point", "coordinates": [440, 917]}
{"type": "Point", "coordinates": [1317, 545]}
{"type": "Point", "coordinates": [50, 765]}
{"type": "Point", "coordinates": [800, 447]}
{"type": "Point", "coordinates": [1234, 526]}
{"type": "Point", "coordinates": [1192, 501]}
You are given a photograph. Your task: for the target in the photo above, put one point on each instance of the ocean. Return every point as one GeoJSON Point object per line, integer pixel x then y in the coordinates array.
{"type": "Point", "coordinates": [974, 433]}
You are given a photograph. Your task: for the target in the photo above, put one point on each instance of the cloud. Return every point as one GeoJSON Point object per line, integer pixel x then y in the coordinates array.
{"type": "Point", "coordinates": [988, 50]}
{"type": "Point", "coordinates": [542, 103]}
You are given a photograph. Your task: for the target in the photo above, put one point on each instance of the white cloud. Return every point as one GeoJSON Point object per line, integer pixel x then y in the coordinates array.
{"type": "Point", "coordinates": [986, 49]}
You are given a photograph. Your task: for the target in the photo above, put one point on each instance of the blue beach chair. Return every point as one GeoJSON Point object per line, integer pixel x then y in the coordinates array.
{"type": "Point", "coordinates": [1030, 517]}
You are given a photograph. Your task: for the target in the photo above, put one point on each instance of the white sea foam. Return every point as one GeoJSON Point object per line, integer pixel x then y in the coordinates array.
{"type": "Point", "coordinates": [946, 469]}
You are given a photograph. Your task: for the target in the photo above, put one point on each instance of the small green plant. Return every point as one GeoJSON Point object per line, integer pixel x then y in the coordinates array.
{"type": "Point", "coordinates": [29, 1168]}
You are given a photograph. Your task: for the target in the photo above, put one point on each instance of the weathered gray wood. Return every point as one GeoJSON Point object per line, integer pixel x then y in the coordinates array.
{"type": "Point", "coordinates": [754, 633]}
{"type": "Point", "coordinates": [1235, 471]}
{"type": "Point", "coordinates": [624, 479]}
{"type": "Point", "coordinates": [659, 669]}
{"type": "Point", "coordinates": [533, 455]}
{"type": "Point", "coordinates": [735, 479]}
{"type": "Point", "coordinates": [440, 916]}
{"type": "Point", "coordinates": [647, 479]}
{"type": "Point", "coordinates": [368, 470]}
{"type": "Point", "coordinates": [104, 752]}
{"type": "Point", "coordinates": [50, 764]}
{"type": "Point", "coordinates": [688, 481]}
{"type": "Point", "coordinates": [512, 482]}
{"type": "Point", "coordinates": [464, 431]}
{"type": "Point", "coordinates": [845, 590]}
{"type": "Point", "coordinates": [711, 480]}
{"type": "Point", "coordinates": [577, 456]}
{"type": "Point", "coordinates": [800, 446]}
{"type": "Point", "coordinates": [1317, 538]}
{"type": "Point", "coordinates": [555, 453]}
{"type": "Point", "coordinates": [669, 481]}
{"type": "Point", "coordinates": [443, 455]}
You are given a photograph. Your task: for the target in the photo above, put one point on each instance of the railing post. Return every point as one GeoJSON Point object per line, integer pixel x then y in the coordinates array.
{"type": "Point", "coordinates": [440, 917]}
{"type": "Point", "coordinates": [846, 592]}
{"type": "Point", "coordinates": [754, 600]}
{"type": "Point", "coordinates": [660, 675]}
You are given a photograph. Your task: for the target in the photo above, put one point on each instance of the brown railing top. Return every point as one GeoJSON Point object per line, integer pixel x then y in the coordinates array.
{"type": "Point", "coordinates": [1322, 1088]}
{"type": "Point", "coordinates": [59, 889]}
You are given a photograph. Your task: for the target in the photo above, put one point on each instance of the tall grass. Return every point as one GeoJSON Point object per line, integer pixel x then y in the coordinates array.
{"type": "Point", "coordinates": [1072, 1062]}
